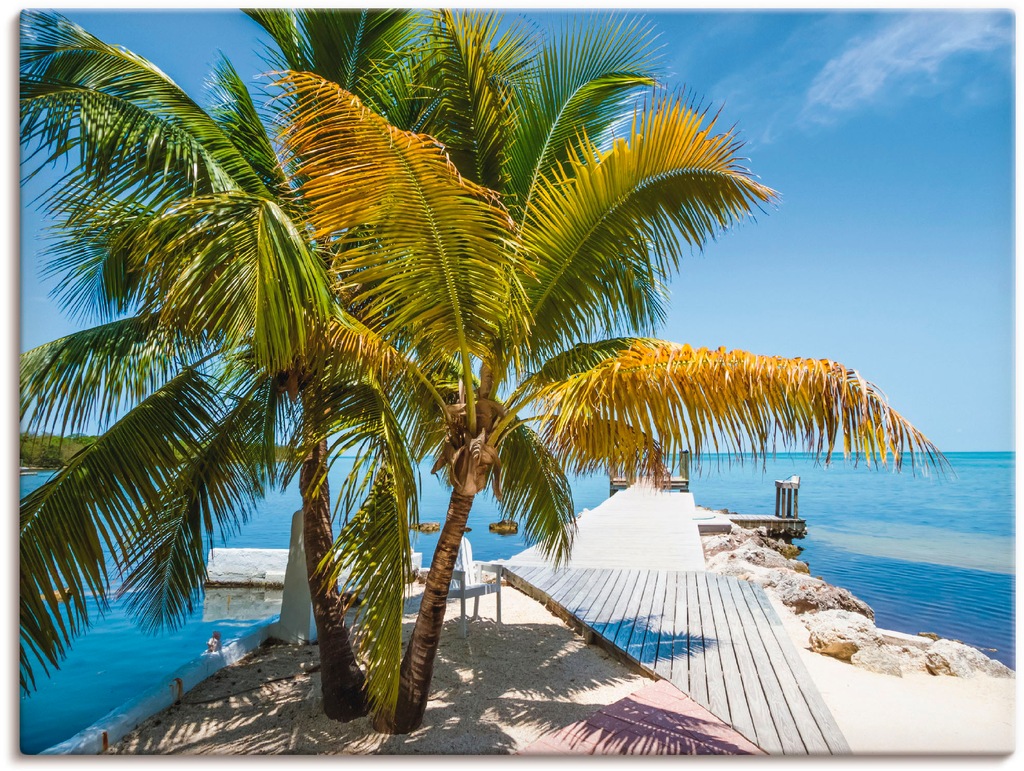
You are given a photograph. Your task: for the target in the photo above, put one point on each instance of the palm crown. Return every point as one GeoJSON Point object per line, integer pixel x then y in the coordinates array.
{"type": "Point", "coordinates": [455, 242]}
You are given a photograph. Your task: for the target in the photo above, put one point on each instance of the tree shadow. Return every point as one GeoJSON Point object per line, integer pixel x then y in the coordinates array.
{"type": "Point", "coordinates": [493, 692]}
{"type": "Point", "coordinates": [633, 726]}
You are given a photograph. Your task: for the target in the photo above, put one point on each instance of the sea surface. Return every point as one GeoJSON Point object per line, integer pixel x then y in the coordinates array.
{"type": "Point", "coordinates": [929, 552]}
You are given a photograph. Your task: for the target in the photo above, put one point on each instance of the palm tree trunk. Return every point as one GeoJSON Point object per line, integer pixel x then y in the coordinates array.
{"type": "Point", "coordinates": [341, 679]}
{"type": "Point", "coordinates": [418, 662]}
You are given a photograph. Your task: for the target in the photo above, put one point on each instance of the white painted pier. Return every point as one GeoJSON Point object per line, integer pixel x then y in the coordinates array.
{"type": "Point", "coordinates": [637, 584]}
{"type": "Point", "coordinates": [638, 526]}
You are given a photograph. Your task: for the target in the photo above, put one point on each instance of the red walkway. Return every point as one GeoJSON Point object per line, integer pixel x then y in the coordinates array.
{"type": "Point", "coordinates": [658, 719]}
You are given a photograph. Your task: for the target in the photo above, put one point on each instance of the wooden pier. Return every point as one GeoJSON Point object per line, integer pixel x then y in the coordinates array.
{"type": "Point", "coordinates": [714, 637]}
{"type": "Point", "coordinates": [786, 522]}
{"type": "Point", "coordinates": [636, 584]}
{"type": "Point", "coordinates": [776, 526]}
{"type": "Point", "coordinates": [673, 483]}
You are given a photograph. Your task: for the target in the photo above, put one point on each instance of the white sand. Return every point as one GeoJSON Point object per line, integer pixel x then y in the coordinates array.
{"type": "Point", "coordinates": [502, 687]}
{"type": "Point", "coordinates": [493, 692]}
{"type": "Point", "coordinates": [914, 714]}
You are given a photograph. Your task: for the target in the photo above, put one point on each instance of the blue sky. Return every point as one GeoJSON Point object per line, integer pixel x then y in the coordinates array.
{"type": "Point", "coordinates": [890, 138]}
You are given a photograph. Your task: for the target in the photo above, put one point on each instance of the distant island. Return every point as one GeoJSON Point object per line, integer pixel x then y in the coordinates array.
{"type": "Point", "coordinates": [50, 451]}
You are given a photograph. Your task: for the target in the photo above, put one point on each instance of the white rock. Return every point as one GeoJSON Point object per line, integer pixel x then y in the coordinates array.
{"type": "Point", "coordinates": [946, 657]}
{"type": "Point", "coordinates": [841, 634]}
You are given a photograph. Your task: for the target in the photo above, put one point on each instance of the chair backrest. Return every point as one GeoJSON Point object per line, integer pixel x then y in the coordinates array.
{"type": "Point", "coordinates": [464, 561]}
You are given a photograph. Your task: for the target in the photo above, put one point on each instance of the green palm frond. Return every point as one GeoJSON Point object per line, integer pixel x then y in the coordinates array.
{"type": "Point", "coordinates": [605, 233]}
{"type": "Point", "coordinates": [353, 48]}
{"type": "Point", "coordinates": [374, 551]}
{"type": "Point", "coordinates": [133, 129]}
{"type": "Point", "coordinates": [237, 266]}
{"type": "Point", "coordinates": [436, 268]}
{"type": "Point", "coordinates": [99, 371]}
{"type": "Point", "coordinates": [475, 65]}
{"type": "Point", "coordinates": [585, 82]}
{"type": "Point", "coordinates": [87, 514]}
{"type": "Point", "coordinates": [366, 419]}
{"type": "Point", "coordinates": [667, 398]}
{"type": "Point", "coordinates": [236, 113]}
{"type": "Point", "coordinates": [215, 489]}
{"type": "Point", "coordinates": [88, 251]}
{"type": "Point", "coordinates": [536, 492]}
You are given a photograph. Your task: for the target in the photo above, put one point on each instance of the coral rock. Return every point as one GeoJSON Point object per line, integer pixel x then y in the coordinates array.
{"type": "Point", "coordinates": [805, 595]}
{"type": "Point", "coordinates": [841, 634]}
{"type": "Point", "coordinates": [946, 657]}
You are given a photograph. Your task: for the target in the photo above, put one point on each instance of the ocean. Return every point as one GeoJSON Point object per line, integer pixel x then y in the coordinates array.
{"type": "Point", "coordinates": [929, 552]}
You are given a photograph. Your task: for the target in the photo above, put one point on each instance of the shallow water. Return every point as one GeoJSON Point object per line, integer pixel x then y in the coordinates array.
{"type": "Point", "coordinates": [927, 553]}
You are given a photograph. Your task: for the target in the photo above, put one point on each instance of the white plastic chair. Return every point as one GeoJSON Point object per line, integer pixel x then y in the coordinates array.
{"type": "Point", "coordinates": [467, 581]}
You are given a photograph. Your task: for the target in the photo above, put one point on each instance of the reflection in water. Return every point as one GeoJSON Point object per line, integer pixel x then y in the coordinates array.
{"type": "Point", "coordinates": [241, 603]}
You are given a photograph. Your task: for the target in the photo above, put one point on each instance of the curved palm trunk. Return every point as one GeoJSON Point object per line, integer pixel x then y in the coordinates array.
{"type": "Point", "coordinates": [341, 679]}
{"type": "Point", "coordinates": [418, 662]}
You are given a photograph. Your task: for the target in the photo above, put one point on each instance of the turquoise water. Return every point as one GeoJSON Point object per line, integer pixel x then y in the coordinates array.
{"type": "Point", "coordinates": [928, 553]}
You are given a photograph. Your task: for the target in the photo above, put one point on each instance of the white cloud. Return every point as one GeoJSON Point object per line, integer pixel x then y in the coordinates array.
{"type": "Point", "coordinates": [904, 52]}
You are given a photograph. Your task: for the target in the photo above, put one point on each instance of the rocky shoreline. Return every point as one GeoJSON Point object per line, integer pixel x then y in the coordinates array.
{"type": "Point", "coordinates": [839, 624]}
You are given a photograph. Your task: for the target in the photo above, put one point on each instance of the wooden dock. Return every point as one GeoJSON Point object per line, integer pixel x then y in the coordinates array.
{"type": "Point", "coordinates": [714, 637]}
{"type": "Point", "coordinates": [790, 527]}
{"type": "Point", "coordinates": [636, 584]}
{"type": "Point", "coordinates": [638, 526]}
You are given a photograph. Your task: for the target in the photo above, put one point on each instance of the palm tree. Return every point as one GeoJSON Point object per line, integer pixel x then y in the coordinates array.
{"type": "Point", "coordinates": [221, 338]}
{"type": "Point", "coordinates": [604, 193]}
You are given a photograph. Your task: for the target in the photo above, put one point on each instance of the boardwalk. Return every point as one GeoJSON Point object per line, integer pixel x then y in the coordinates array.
{"type": "Point", "coordinates": [637, 585]}
{"type": "Point", "coordinates": [662, 528]}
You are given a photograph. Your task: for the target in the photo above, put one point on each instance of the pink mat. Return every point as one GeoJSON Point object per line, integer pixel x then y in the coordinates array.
{"type": "Point", "coordinates": [658, 719]}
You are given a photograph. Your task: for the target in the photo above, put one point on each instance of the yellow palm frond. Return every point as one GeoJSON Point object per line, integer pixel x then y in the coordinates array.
{"type": "Point", "coordinates": [424, 253]}
{"type": "Point", "coordinates": [606, 230]}
{"type": "Point", "coordinates": [659, 398]}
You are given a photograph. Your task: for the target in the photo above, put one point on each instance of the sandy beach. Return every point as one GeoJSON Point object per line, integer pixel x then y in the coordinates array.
{"type": "Point", "coordinates": [502, 687]}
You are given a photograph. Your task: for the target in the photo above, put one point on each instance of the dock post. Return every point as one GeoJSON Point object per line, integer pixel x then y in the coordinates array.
{"type": "Point", "coordinates": [786, 492]}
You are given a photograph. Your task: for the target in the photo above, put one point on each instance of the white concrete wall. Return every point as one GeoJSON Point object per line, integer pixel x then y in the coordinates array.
{"type": "Point", "coordinates": [246, 567]}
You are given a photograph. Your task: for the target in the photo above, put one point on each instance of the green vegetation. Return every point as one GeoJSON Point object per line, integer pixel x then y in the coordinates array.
{"type": "Point", "coordinates": [446, 237]}
{"type": "Point", "coordinates": [51, 450]}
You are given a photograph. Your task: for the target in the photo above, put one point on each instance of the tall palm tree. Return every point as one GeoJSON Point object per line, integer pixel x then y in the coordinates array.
{"type": "Point", "coordinates": [605, 192]}
{"type": "Point", "coordinates": [222, 336]}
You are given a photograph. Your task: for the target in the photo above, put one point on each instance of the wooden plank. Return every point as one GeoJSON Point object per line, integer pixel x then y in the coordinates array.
{"type": "Point", "coordinates": [558, 580]}
{"type": "Point", "coordinates": [642, 626]}
{"type": "Point", "coordinates": [596, 590]}
{"type": "Point", "coordinates": [681, 637]}
{"type": "Point", "coordinates": [526, 573]}
{"type": "Point", "coordinates": [698, 678]}
{"type": "Point", "coordinates": [790, 673]}
{"type": "Point", "coordinates": [628, 611]}
{"type": "Point", "coordinates": [599, 615]}
{"type": "Point", "coordinates": [582, 592]}
{"type": "Point", "coordinates": [718, 702]}
{"type": "Point", "coordinates": [648, 653]}
{"type": "Point", "coordinates": [561, 591]}
{"type": "Point", "coordinates": [542, 578]}
{"type": "Point", "coordinates": [722, 606]}
{"type": "Point", "coordinates": [829, 731]}
{"type": "Point", "coordinates": [616, 612]}
{"type": "Point", "coordinates": [668, 628]}
{"type": "Point", "coordinates": [759, 636]}
{"type": "Point", "coordinates": [757, 703]}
